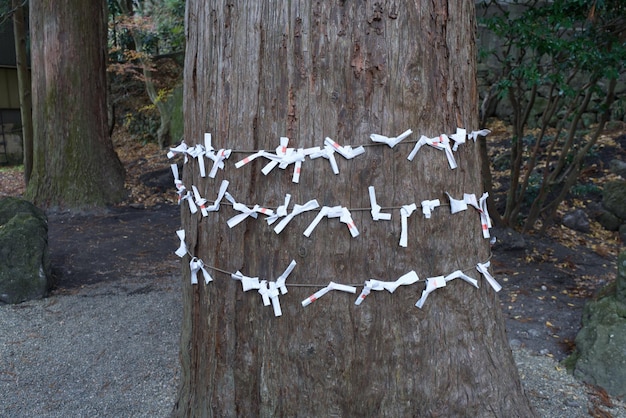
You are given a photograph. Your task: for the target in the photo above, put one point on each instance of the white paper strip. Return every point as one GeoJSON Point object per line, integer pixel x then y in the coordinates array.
{"type": "Point", "coordinates": [483, 268]}
{"type": "Point", "coordinates": [280, 281]}
{"type": "Point", "coordinates": [198, 153]}
{"type": "Point", "coordinates": [377, 215]}
{"type": "Point", "coordinates": [264, 291]}
{"type": "Point", "coordinates": [331, 286]}
{"type": "Point", "coordinates": [208, 146]}
{"type": "Point", "coordinates": [405, 212]}
{"type": "Point", "coordinates": [298, 157]}
{"type": "Point", "coordinates": [327, 152]}
{"type": "Point", "coordinates": [189, 198]}
{"type": "Point", "coordinates": [292, 156]}
{"type": "Point", "coordinates": [322, 213]}
{"type": "Point", "coordinates": [273, 295]}
{"type": "Point", "coordinates": [269, 293]}
{"type": "Point", "coordinates": [365, 292]}
{"type": "Point", "coordinates": [216, 204]}
{"type": "Point", "coordinates": [405, 280]}
{"type": "Point", "coordinates": [475, 134]}
{"type": "Point", "coordinates": [218, 160]}
{"type": "Point", "coordinates": [456, 205]}
{"type": "Point", "coordinates": [280, 211]}
{"type": "Point", "coordinates": [276, 159]}
{"type": "Point", "coordinates": [297, 210]}
{"type": "Point", "coordinates": [432, 283]}
{"type": "Point", "coordinates": [196, 265]}
{"type": "Point", "coordinates": [458, 274]}
{"type": "Point", "coordinates": [180, 149]}
{"type": "Point", "coordinates": [262, 210]}
{"type": "Point", "coordinates": [442, 142]}
{"type": "Point", "coordinates": [428, 206]}
{"type": "Point", "coordinates": [422, 141]}
{"type": "Point", "coordinates": [346, 218]}
{"type": "Point", "coordinates": [485, 219]}
{"type": "Point", "coordinates": [182, 249]}
{"type": "Point", "coordinates": [240, 207]}
{"type": "Point", "coordinates": [200, 201]}
{"type": "Point", "coordinates": [458, 138]}
{"type": "Point", "coordinates": [481, 207]}
{"type": "Point", "coordinates": [391, 141]}
{"type": "Point", "coordinates": [249, 158]}
{"type": "Point", "coordinates": [346, 151]}
{"type": "Point", "coordinates": [297, 168]}
{"type": "Point", "coordinates": [180, 187]}
{"type": "Point", "coordinates": [247, 283]}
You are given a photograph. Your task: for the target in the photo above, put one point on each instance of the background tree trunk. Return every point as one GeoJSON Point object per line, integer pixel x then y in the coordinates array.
{"type": "Point", "coordinates": [344, 70]}
{"type": "Point", "coordinates": [74, 164]}
{"type": "Point", "coordinates": [24, 87]}
{"type": "Point", "coordinates": [161, 102]}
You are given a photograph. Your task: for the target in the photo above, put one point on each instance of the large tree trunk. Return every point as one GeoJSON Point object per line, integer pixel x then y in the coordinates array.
{"type": "Point", "coordinates": [74, 164]}
{"type": "Point", "coordinates": [307, 70]}
{"type": "Point", "coordinates": [23, 82]}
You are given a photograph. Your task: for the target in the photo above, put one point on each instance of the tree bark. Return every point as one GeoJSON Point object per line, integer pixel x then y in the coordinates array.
{"type": "Point", "coordinates": [308, 70]}
{"type": "Point", "coordinates": [74, 164]}
{"type": "Point", "coordinates": [24, 87]}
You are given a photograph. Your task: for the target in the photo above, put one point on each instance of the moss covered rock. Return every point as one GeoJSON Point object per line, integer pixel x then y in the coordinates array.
{"type": "Point", "coordinates": [600, 356]}
{"type": "Point", "coordinates": [24, 261]}
{"type": "Point", "coordinates": [614, 198]}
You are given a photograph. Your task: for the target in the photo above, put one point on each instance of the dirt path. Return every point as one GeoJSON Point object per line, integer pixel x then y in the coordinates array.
{"type": "Point", "coordinates": [545, 287]}
{"type": "Point", "coordinates": [123, 242]}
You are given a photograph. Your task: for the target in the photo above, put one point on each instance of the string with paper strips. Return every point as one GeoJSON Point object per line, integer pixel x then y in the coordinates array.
{"type": "Point", "coordinates": [196, 202]}
{"type": "Point", "coordinates": [270, 290]}
{"type": "Point", "coordinates": [284, 156]}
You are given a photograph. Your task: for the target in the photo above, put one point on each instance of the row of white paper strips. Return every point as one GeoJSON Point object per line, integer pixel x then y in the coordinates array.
{"type": "Point", "coordinates": [285, 156]}
{"type": "Point", "coordinates": [270, 290]}
{"type": "Point", "coordinates": [197, 202]}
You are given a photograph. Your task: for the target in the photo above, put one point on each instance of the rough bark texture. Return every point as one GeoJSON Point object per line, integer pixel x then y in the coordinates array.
{"type": "Point", "coordinates": [23, 81]}
{"type": "Point", "coordinates": [74, 164]}
{"type": "Point", "coordinates": [308, 70]}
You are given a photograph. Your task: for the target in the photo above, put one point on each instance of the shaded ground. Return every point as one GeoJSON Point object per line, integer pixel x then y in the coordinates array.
{"type": "Point", "coordinates": [545, 286]}
{"type": "Point", "coordinates": [126, 241]}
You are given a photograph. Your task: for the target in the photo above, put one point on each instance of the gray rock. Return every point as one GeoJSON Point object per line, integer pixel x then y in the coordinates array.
{"type": "Point", "coordinates": [608, 220]}
{"type": "Point", "coordinates": [618, 167]}
{"type": "Point", "coordinates": [601, 358]}
{"type": "Point", "coordinates": [572, 403]}
{"type": "Point", "coordinates": [622, 233]}
{"type": "Point", "coordinates": [614, 198]}
{"type": "Point", "coordinates": [576, 220]}
{"type": "Point", "coordinates": [508, 240]}
{"type": "Point", "coordinates": [588, 119]}
{"type": "Point", "coordinates": [24, 262]}
{"type": "Point", "coordinates": [515, 344]}
{"type": "Point", "coordinates": [161, 179]}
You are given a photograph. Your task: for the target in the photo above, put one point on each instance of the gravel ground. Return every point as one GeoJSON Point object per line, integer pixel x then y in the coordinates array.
{"type": "Point", "coordinates": [111, 350]}
{"type": "Point", "coordinates": [106, 351]}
